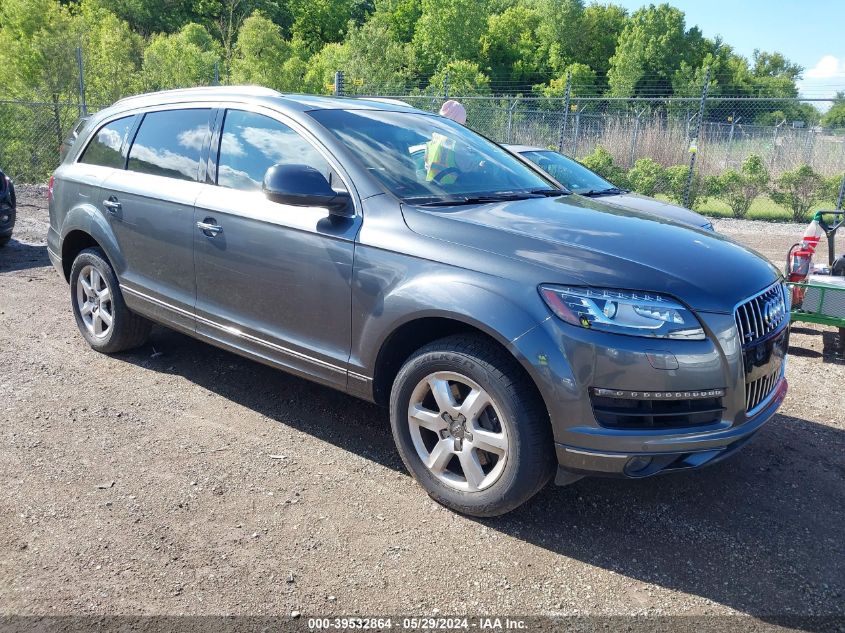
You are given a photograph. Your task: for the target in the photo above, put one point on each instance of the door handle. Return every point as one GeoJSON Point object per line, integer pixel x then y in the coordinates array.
{"type": "Point", "coordinates": [112, 204]}
{"type": "Point", "coordinates": [210, 227]}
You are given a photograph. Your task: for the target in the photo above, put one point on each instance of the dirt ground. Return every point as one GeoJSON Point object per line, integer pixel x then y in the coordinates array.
{"type": "Point", "coordinates": [181, 479]}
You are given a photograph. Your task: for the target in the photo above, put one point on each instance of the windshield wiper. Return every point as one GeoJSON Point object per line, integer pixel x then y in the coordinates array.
{"type": "Point", "coordinates": [611, 191]}
{"type": "Point", "coordinates": [551, 192]}
{"type": "Point", "coordinates": [480, 199]}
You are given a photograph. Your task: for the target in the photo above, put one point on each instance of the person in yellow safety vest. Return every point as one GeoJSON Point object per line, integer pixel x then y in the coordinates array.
{"type": "Point", "coordinates": [440, 153]}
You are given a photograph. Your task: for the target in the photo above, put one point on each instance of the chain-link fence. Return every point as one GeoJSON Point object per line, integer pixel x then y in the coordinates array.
{"type": "Point", "coordinates": [665, 131]}
{"type": "Point", "coordinates": [623, 131]}
{"type": "Point", "coordinates": [31, 137]}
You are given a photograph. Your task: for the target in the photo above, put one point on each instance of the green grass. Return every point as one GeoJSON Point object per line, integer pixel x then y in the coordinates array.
{"type": "Point", "coordinates": [763, 208]}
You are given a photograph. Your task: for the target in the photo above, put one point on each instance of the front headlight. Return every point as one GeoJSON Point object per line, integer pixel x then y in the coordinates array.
{"type": "Point", "coordinates": [623, 312]}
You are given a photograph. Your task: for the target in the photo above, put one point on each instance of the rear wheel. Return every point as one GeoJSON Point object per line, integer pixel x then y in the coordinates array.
{"type": "Point", "coordinates": [470, 426]}
{"type": "Point", "coordinates": [101, 314]}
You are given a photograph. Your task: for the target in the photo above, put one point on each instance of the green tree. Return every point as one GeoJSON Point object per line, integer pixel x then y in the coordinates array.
{"type": "Point", "coordinates": [319, 76]}
{"type": "Point", "coordinates": [558, 36]}
{"type": "Point", "coordinates": [112, 54]}
{"type": "Point", "coordinates": [38, 40]}
{"type": "Point", "coordinates": [509, 47]}
{"type": "Point", "coordinates": [376, 60]}
{"type": "Point", "coordinates": [835, 117]}
{"type": "Point", "coordinates": [371, 57]}
{"type": "Point", "coordinates": [584, 82]}
{"type": "Point", "coordinates": [152, 16]}
{"type": "Point", "coordinates": [651, 47]}
{"type": "Point", "coordinates": [320, 22]}
{"type": "Point", "coordinates": [229, 15]}
{"type": "Point", "coordinates": [401, 16]}
{"type": "Point", "coordinates": [465, 80]}
{"type": "Point", "coordinates": [184, 59]}
{"type": "Point", "coordinates": [775, 65]}
{"type": "Point", "coordinates": [599, 29]}
{"type": "Point", "coordinates": [799, 190]}
{"type": "Point", "coordinates": [740, 188]}
{"type": "Point", "coordinates": [449, 30]}
{"type": "Point", "coordinates": [260, 54]}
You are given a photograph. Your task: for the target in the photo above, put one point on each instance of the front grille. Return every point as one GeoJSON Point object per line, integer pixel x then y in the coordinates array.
{"type": "Point", "coordinates": [757, 390]}
{"type": "Point", "coordinates": [759, 321]}
{"type": "Point", "coordinates": [761, 315]}
{"type": "Point", "coordinates": [632, 413]}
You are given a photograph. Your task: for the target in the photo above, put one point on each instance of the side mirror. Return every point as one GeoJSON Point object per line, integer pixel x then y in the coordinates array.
{"type": "Point", "coordinates": [304, 186]}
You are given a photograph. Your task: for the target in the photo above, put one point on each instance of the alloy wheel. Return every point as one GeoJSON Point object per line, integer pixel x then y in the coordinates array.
{"type": "Point", "coordinates": [458, 431]}
{"type": "Point", "coordinates": [94, 298]}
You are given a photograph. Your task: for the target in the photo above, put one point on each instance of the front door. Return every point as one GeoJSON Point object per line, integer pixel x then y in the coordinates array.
{"type": "Point", "coordinates": [272, 280]}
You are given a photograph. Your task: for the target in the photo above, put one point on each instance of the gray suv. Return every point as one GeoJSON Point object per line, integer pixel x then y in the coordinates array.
{"type": "Point", "coordinates": [517, 332]}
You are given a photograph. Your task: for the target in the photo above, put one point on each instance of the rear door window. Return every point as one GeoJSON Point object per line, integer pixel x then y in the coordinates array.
{"type": "Point", "coordinates": [170, 143]}
{"type": "Point", "coordinates": [104, 148]}
{"type": "Point", "coordinates": [252, 143]}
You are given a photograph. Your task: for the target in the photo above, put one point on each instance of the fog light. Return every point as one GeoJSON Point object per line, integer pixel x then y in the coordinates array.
{"type": "Point", "coordinates": [4, 219]}
{"type": "Point", "coordinates": [637, 465]}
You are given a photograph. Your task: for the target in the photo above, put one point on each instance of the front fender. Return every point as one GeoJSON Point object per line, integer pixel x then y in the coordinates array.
{"type": "Point", "coordinates": [391, 290]}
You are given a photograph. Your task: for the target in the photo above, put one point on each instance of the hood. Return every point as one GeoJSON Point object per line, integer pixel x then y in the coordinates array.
{"type": "Point", "coordinates": [657, 207]}
{"type": "Point", "coordinates": [583, 242]}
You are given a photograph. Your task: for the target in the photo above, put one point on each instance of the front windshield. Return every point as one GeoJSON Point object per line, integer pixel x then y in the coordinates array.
{"type": "Point", "coordinates": [570, 173]}
{"type": "Point", "coordinates": [422, 158]}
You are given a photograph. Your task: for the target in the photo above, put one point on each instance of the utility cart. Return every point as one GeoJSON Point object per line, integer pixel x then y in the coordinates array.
{"type": "Point", "coordinates": [818, 292]}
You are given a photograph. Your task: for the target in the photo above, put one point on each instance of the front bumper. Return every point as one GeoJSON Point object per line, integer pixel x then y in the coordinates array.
{"type": "Point", "coordinates": [661, 454]}
{"type": "Point", "coordinates": [567, 362]}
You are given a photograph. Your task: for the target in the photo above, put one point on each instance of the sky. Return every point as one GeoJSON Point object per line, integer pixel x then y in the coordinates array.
{"type": "Point", "coordinates": [808, 32]}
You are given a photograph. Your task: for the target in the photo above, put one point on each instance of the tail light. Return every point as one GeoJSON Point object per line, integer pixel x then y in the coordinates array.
{"type": "Point", "coordinates": [50, 189]}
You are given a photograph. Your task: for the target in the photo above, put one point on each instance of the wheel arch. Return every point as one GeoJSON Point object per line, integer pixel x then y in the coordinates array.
{"type": "Point", "coordinates": [417, 332]}
{"type": "Point", "coordinates": [84, 227]}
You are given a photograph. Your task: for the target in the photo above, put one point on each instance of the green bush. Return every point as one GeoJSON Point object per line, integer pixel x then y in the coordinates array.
{"type": "Point", "coordinates": [831, 187]}
{"type": "Point", "coordinates": [675, 183]}
{"type": "Point", "coordinates": [601, 162]}
{"type": "Point", "coordinates": [798, 190]}
{"type": "Point", "coordinates": [739, 188]}
{"type": "Point", "coordinates": [646, 177]}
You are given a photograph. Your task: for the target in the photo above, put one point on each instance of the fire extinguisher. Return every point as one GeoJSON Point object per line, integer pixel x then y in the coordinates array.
{"type": "Point", "coordinates": [799, 259]}
{"type": "Point", "coordinates": [798, 262]}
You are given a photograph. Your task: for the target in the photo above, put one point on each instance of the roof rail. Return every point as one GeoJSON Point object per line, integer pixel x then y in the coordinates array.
{"type": "Point", "coordinates": [253, 91]}
{"type": "Point", "coordinates": [389, 100]}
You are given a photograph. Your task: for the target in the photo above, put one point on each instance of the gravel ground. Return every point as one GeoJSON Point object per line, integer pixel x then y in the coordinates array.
{"type": "Point", "coordinates": [180, 479]}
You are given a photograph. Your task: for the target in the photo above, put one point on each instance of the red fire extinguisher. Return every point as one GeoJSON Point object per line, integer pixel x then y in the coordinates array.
{"type": "Point", "coordinates": [799, 259]}
{"type": "Point", "coordinates": [798, 262]}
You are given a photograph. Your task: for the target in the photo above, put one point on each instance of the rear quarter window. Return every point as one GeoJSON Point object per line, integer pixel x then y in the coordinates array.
{"type": "Point", "coordinates": [105, 147]}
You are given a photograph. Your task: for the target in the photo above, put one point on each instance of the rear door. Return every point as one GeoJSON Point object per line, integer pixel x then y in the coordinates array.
{"type": "Point", "coordinates": [151, 206]}
{"type": "Point", "coordinates": [273, 280]}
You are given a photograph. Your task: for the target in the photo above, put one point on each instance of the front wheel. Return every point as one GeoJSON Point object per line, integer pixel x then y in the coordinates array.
{"type": "Point", "coordinates": [470, 426]}
{"type": "Point", "coordinates": [101, 314]}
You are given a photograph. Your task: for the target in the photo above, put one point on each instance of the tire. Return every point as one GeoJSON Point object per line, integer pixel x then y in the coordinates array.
{"type": "Point", "coordinates": [514, 425]}
{"type": "Point", "coordinates": [5, 240]}
{"type": "Point", "coordinates": [127, 330]}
